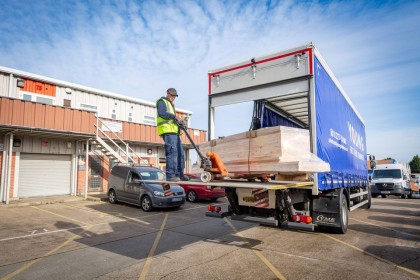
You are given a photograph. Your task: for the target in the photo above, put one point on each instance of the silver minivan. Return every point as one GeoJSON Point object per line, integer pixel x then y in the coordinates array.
{"type": "Point", "coordinates": [132, 184]}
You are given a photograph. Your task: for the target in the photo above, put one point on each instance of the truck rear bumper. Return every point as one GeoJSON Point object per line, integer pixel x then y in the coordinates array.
{"type": "Point", "coordinates": [301, 226]}
{"type": "Point", "coordinates": [253, 219]}
{"type": "Point", "coordinates": [263, 221]}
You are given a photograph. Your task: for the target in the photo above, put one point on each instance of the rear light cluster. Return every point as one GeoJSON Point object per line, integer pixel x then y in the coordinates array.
{"type": "Point", "coordinates": [302, 219]}
{"type": "Point", "coordinates": [213, 208]}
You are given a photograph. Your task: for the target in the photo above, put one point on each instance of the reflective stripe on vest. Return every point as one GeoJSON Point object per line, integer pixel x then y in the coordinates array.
{"type": "Point", "coordinates": [163, 125]}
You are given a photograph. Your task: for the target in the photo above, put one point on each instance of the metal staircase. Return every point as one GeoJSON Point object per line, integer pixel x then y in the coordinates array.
{"type": "Point", "coordinates": [112, 149]}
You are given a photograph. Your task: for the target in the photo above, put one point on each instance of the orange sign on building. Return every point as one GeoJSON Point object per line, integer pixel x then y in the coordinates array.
{"type": "Point", "coordinates": [39, 88]}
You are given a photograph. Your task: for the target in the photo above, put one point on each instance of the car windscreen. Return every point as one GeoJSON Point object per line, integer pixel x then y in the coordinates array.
{"type": "Point", "coordinates": [152, 175]}
{"type": "Point", "coordinates": [387, 173]}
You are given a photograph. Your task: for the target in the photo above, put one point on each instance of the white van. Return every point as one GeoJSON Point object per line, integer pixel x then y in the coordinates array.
{"type": "Point", "coordinates": [391, 179]}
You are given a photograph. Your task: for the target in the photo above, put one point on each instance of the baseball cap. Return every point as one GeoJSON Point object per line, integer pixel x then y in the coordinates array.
{"type": "Point", "coordinates": [172, 91]}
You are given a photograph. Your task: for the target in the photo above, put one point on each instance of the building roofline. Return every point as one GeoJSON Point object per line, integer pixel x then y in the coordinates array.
{"type": "Point", "coordinates": [40, 78]}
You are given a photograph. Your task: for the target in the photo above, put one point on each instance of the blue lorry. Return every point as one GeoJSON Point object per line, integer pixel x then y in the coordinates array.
{"type": "Point", "coordinates": [297, 88]}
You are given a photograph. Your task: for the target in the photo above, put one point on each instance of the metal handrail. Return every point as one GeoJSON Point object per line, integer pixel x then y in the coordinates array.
{"type": "Point", "coordinates": [122, 141]}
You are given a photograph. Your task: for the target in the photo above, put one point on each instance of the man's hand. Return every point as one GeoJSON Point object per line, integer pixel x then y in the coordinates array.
{"type": "Point", "coordinates": [181, 121]}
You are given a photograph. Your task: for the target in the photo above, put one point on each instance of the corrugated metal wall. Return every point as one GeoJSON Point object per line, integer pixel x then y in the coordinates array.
{"type": "Point", "coordinates": [140, 113]}
{"type": "Point", "coordinates": [106, 105]}
{"type": "Point", "coordinates": [4, 84]}
{"type": "Point", "coordinates": [17, 112]}
{"type": "Point", "coordinates": [44, 145]}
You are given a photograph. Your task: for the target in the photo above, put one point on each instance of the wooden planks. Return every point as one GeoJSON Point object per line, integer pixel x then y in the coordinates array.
{"type": "Point", "coordinates": [275, 150]}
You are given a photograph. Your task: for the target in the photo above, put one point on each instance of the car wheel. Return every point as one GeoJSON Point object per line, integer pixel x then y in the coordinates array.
{"type": "Point", "coordinates": [112, 197]}
{"type": "Point", "coordinates": [146, 204]}
{"type": "Point", "coordinates": [192, 196]}
{"type": "Point", "coordinates": [383, 196]}
{"type": "Point", "coordinates": [213, 199]}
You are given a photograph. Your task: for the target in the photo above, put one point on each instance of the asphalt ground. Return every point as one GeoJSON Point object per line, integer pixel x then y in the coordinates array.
{"type": "Point", "coordinates": [96, 240]}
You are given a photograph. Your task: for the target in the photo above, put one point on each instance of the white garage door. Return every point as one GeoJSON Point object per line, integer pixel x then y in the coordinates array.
{"type": "Point", "coordinates": [42, 175]}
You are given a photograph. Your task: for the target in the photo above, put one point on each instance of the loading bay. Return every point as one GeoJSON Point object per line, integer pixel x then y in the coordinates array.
{"type": "Point", "coordinates": [96, 240]}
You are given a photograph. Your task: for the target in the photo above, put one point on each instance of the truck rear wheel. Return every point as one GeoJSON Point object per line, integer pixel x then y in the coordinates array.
{"type": "Point", "coordinates": [344, 215]}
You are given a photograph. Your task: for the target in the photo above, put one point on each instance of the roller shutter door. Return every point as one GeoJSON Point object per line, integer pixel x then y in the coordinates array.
{"type": "Point", "coordinates": [43, 175]}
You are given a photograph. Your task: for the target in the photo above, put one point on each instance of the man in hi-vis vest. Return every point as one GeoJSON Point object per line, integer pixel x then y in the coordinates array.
{"type": "Point", "coordinates": [169, 130]}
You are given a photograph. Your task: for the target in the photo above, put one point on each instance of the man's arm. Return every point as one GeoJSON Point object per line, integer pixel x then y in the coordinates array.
{"type": "Point", "coordinates": [161, 108]}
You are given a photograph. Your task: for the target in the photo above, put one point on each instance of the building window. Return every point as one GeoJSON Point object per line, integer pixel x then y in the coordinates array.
{"type": "Point", "coordinates": [130, 117]}
{"type": "Point", "coordinates": [27, 97]}
{"type": "Point", "coordinates": [44, 100]}
{"type": "Point", "coordinates": [149, 120]}
{"type": "Point", "coordinates": [37, 98]}
{"type": "Point", "coordinates": [88, 107]}
{"type": "Point", "coordinates": [67, 103]}
{"type": "Point", "coordinates": [114, 114]}
{"type": "Point", "coordinates": [84, 148]}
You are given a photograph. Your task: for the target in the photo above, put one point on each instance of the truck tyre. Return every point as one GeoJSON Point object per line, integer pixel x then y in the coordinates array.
{"type": "Point", "coordinates": [344, 215]}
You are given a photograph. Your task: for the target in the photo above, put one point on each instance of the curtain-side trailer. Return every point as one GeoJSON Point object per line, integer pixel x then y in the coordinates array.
{"type": "Point", "coordinates": [297, 88]}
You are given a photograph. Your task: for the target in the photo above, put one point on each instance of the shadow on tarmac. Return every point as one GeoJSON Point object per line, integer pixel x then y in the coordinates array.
{"type": "Point", "coordinates": [404, 256]}
{"type": "Point", "coordinates": [135, 239]}
{"type": "Point", "coordinates": [394, 232]}
{"type": "Point", "coordinates": [396, 220]}
{"type": "Point", "coordinates": [402, 212]}
{"type": "Point", "coordinates": [404, 203]}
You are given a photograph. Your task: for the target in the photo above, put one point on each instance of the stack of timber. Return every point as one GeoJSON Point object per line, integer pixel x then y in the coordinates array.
{"type": "Point", "coordinates": [275, 150]}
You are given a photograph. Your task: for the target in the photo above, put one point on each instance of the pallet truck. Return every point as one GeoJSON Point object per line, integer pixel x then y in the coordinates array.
{"type": "Point", "coordinates": [211, 163]}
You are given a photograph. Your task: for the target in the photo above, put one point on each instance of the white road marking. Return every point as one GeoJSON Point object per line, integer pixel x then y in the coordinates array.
{"type": "Point", "coordinates": [47, 232]}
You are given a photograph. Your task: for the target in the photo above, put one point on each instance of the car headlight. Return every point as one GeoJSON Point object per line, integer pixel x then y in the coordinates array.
{"type": "Point", "coordinates": [158, 193]}
{"type": "Point", "coordinates": [398, 185]}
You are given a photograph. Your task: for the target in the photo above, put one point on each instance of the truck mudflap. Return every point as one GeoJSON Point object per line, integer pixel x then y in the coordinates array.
{"type": "Point", "coordinates": [331, 211]}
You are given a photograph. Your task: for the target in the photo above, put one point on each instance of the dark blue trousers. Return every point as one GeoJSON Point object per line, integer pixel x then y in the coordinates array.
{"type": "Point", "coordinates": [174, 156]}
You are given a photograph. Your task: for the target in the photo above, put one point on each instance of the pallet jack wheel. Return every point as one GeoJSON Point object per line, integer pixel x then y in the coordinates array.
{"type": "Point", "coordinates": [206, 177]}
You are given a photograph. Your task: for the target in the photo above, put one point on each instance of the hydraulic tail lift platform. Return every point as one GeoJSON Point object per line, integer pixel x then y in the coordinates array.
{"type": "Point", "coordinates": [262, 194]}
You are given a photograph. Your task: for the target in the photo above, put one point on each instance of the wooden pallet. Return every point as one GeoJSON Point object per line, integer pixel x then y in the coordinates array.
{"type": "Point", "coordinates": [277, 150]}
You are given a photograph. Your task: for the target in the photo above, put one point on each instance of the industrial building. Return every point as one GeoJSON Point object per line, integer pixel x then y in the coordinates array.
{"type": "Point", "coordinates": [60, 138]}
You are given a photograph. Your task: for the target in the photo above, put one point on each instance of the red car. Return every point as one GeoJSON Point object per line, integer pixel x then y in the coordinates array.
{"type": "Point", "coordinates": [195, 192]}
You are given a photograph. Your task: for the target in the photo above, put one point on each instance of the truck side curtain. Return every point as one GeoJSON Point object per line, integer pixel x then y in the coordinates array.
{"type": "Point", "coordinates": [340, 135]}
{"type": "Point", "coordinates": [271, 118]}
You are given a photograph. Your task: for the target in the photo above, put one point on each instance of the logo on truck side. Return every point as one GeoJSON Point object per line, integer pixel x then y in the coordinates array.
{"type": "Point", "coordinates": [323, 219]}
{"type": "Point", "coordinates": [356, 137]}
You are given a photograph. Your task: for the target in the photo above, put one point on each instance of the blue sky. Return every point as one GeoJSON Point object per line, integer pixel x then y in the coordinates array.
{"type": "Point", "coordinates": [140, 48]}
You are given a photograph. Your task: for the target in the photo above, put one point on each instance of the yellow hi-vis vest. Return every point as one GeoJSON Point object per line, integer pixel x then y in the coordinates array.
{"type": "Point", "coordinates": [163, 125]}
